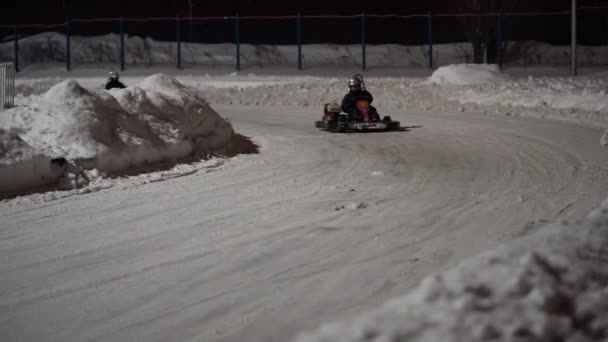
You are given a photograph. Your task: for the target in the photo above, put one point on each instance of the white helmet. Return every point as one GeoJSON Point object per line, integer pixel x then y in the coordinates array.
{"type": "Point", "coordinates": [356, 82]}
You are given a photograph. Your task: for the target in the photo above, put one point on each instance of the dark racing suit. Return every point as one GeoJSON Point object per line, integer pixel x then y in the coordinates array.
{"type": "Point", "coordinates": [114, 83]}
{"type": "Point", "coordinates": [349, 105]}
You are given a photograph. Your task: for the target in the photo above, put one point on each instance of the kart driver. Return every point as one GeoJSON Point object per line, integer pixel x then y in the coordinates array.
{"type": "Point", "coordinates": [113, 81]}
{"type": "Point", "coordinates": [357, 103]}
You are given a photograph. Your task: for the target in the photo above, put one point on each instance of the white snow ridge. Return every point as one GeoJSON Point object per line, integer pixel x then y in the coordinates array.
{"type": "Point", "coordinates": [154, 121]}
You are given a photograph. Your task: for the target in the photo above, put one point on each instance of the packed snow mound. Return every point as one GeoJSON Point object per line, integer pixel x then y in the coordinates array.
{"type": "Point", "coordinates": [463, 74]}
{"type": "Point", "coordinates": [67, 121]}
{"type": "Point", "coordinates": [175, 112]}
{"type": "Point", "coordinates": [156, 120]}
{"type": "Point", "coordinates": [549, 286]}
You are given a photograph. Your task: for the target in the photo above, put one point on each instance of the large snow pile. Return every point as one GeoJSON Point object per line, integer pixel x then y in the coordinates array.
{"type": "Point", "coordinates": [461, 74]}
{"type": "Point", "coordinates": [550, 286]}
{"type": "Point", "coordinates": [156, 120]}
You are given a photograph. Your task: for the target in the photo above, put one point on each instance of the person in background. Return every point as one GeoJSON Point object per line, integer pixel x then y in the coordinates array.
{"type": "Point", "coordinates": [113, 81]}
{"type": "Point", "coordinates": [357, 103]}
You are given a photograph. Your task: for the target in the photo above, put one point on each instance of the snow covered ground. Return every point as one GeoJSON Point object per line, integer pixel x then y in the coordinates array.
{"type": "Point", "coordinates": [264, 227]}
{"type": "Point", "coordinates": [550, 286]}
{"type": "Point", "coordinates": [123, 130]}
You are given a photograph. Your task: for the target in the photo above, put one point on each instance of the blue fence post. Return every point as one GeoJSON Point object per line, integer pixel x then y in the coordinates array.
{"type": "Point", "coordinates": [499, 42]}
{"type": "Point", "coordinates": [299, 25]}
{"type": "Point", "coordinates": [122, 45]}
{"type": "Point", "coordinates": [67, 44]}
{"type": "Point", "coordinates": [16, 49]}
{"type": "Point", "coordinates": [430, 39]}
{"type": "Point", "coordinates": [363, 41]}
{"type": "Point", "coordinates": [238, 41]}
{"type": "Point", "coordinates": [179, 42]}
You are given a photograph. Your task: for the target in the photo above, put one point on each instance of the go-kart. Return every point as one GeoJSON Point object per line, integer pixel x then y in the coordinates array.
{"type": "Point", "coordinates": [334, 120]}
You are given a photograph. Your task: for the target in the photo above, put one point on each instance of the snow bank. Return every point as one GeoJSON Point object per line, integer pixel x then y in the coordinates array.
{"type": "Point", "coordinates": [529, 52]}
{"type": "Point", "coordinates": [50, 47]}
{"type": "Point", "coordinates": [585, 94]}
{"type": "Point", "coordinates": [179, 119]}
{"type": "Point", "coordinates": [461, 74]}
{"type": "Point", "coordinates": [117, 131]}
{"type": "Point", "coordinates": [582, 99]}
{"type": "Point", "coordinates": [549, 286]}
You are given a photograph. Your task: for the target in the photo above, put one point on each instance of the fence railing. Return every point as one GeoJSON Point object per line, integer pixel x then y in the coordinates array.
{"type": "Point", "coordinates": [7, 85]}
{"type": "Point", "coordinates": [419, 29]}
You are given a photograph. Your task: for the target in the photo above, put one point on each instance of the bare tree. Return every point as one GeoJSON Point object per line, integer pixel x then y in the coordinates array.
{"type": "Point", "coordinates": [480, 28]}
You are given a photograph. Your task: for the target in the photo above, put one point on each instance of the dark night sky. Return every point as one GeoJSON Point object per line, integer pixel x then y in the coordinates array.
{"type": "Point", "coordinates": [554, 30]}
{"type": "Point", "coordinates": [52, 11]}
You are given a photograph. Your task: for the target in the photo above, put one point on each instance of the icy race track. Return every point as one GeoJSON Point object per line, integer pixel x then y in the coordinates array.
{"type": "Point", "coordinates": [316, 227]}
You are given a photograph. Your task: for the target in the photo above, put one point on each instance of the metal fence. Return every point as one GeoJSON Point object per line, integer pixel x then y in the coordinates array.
{"type": "Point", "coordinates": [501, 33]}
{"type": "Point", "coordinates": [7, 85]}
